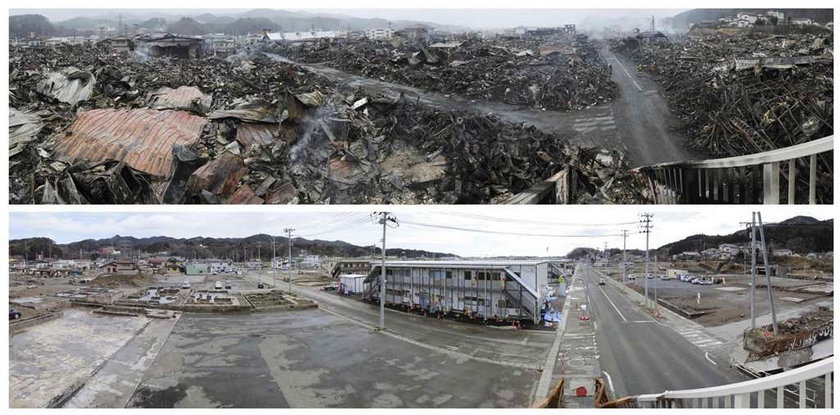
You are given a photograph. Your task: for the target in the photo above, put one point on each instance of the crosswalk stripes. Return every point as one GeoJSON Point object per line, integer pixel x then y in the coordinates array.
{"type": "Point", "coordinates": [599, 120]}
{"type": "Point", "coordinates": [699, 338]}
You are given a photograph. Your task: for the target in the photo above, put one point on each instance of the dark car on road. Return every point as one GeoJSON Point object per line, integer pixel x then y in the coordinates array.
{"type": "Point", "coordinates": [602, 282]}
{"type": "Point", "coordinates": [14, 314]}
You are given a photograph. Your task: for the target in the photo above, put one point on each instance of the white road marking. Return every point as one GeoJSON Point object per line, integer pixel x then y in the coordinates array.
{"type": "Point", "coordinates": [628, 73]}
{"type": "Point", "coordinates": [710, 359]}
{"type": "Point", "coordinates": [613, 304]}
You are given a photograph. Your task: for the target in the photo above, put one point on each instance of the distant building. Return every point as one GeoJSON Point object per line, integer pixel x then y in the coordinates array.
{"type": "Point", "coordinates": [120, 44]}
{"type": "Point", "coordinates": [801, 21]}
{"type": "Point", "coordinates": [416, 33]}
{"type": "Point", "coordinates": [379, 34]}
{"type": "Point", "coordinates": [782, 252]}
{"type": "Point", "coordinates": [300, 37]}
{"type": "Point", "coordinates": [197, 269]}
{"type": "Point", "coordinates": [310, 262]}
{"type": "Point", "coordinates": [729, 249]}
{"type": "Point", "coordinates": [352, 283]}
{"type": "Point", "coordinates": [777, 14]}
{"type": "Point", "coordinates": [169, 45]}
{"type": "Point", "coordinates": [483, 289]}
{"type": "Point", "coordinates": [120, 268]}
{"type": "Point", "coordinates": [351, 266]}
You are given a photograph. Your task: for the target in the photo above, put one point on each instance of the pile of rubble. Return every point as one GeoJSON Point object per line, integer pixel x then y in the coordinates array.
{"type": "Point", "coordinates": [557, 73]}
{"type": "Point", "coordinates": [123, 129]}
{"type": "Point", "coordinates": [793, 334]}
{"type": "Point", "coordinates": [744, 93]}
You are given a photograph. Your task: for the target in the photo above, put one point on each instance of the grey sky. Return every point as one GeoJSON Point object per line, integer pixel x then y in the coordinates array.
{"type": "Point", "coordinates": [471, 18]}
{"type": "Point", "coordinates": [354, 225]}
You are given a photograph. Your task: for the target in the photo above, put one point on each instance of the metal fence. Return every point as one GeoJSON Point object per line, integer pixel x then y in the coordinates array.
{"type": "Point", "coordinates": [755, 178]}
{"type": "Point", "coordinates": [787, 389]}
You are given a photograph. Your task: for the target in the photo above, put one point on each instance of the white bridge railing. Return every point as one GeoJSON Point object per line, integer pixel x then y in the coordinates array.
{"type": "Point", "coordinates": [791, 387]}
{"type": "Point", "coordinates": [755, 178]}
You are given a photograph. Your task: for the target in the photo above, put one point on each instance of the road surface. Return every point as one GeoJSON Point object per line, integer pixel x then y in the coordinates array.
{"type": "Point", "coordinates": [640, 355]}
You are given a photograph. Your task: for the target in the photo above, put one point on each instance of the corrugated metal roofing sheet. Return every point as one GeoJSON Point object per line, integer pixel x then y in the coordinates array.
{"type": "Point", "coordinates": [259, 134]}
{"type": "Point", "coordinates": [180, 98]}
{"type": "Point", "coordinates": [142, 138]}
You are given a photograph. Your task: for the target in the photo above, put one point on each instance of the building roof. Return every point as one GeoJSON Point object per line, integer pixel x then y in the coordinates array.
{"type": "Point", "coordinates": [142, 138]}
{"type": "Point", "coordinates": [354, 276]}
{"type": "Point", "coordinates": [466, 264]}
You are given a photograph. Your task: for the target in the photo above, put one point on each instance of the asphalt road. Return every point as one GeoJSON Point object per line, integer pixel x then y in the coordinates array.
{"type": "Point", "coordinates": [646, 128]}
{"type": "Point", "coordinates": [640, 355]}
{"type": "Point", "coordinates": [636, 123]}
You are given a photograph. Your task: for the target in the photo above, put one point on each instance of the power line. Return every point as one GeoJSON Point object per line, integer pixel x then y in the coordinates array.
{"type": "Point", "coordinates": [538, 222]}
{"type": "Point", "coordinates": [458, 228]}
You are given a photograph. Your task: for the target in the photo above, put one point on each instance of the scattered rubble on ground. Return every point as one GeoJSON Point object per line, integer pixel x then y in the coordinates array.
{"type": "Point", "coordinates": [560, 72]}
{"type": "Point", "coordinates": [743, 93]}
{"type": "Point", "coordinates": [127, 129]}
{"type": "Point", "coordinates": [793, 334]}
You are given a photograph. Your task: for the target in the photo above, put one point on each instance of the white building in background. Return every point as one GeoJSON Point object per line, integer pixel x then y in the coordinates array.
{"type": "Point", "coordinates": [483, 289]}
{"type": "Point", "coordinates": [298, 37]}
{"type": "Point", "coordinates": [379, 34]}
{"type": "Point", "coordinates": [310, 262]}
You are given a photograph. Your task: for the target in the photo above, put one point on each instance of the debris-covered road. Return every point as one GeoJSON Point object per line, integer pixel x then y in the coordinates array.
{"type": "Point", "coordinates": [89, 126]}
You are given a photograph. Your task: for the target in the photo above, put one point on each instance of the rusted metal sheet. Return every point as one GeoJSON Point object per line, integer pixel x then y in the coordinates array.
{"type": "Point", "coordinates": [220, 176]}
{"type": "Point", "coordinates": [142, 138]}
{"type": "Point", "coordinates": [183, 97]}
{"type": "Point", "coordinates": [259, 134]}
{"type": "Point", "coordinates": [245, 196]}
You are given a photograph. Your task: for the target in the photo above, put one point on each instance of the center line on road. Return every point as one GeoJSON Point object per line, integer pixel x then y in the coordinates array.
{"type": "Point", "coordinates": [613, 304]}
{"type": "Point", "coordinates": [710, 359]}
{"type": "Point", "coordinates": [628, 74]}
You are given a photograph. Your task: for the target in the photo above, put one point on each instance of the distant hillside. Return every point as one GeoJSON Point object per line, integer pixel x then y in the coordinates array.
{"type": "Point", "coordinates": [252, 21]}
{"type": "Point", "coordinates": [801, 234]}
{"type": "Point", "coordinates": [207, 247]}
{"type": "Point", "coordinates": [684, 19]}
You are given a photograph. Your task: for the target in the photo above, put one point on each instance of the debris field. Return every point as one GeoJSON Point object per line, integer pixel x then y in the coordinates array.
{"type": "Point", "coordinates": [90, 126]}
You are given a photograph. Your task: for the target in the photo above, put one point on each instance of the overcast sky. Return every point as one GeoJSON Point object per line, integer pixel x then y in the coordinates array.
{"type": "Point", "coordinates": [355, 226]}
{"type": "Point", "coordinates": [472, 18]}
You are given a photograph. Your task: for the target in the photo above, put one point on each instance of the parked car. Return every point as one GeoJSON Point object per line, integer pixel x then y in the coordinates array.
{"type": "Point", "coordinates": [228, 285]}
{"type": "Point", "coordinates": [666, 277]}
{"type": "Point", "coordinates": [631, 277]}
{"type": "Point", "coordinates": [602, 281]}
{"type": "Point", "coordinates": [696, 280]}
{"type": "Point", "coordinates": [707, 281]}
{"type": "Point", "coordinates": [185, 285]}
{"type": "Point", "coordinates": [14, 314]}
{"type": "Point", "coordinates": [218, 285]}
{"type": "Point", "coordinates": [260, 285]}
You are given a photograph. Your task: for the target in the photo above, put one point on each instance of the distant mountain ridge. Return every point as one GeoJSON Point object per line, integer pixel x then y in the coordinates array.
{"type": "Point", "coordinates": [801, 234]}
{"type": "Point", "coordinates": [684, 19]}
{"type": "Point", "coordinates": [210, 247]}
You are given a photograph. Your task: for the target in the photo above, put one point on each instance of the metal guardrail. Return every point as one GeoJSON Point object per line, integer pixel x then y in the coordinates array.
{"type": "Point", "coordinates": [740, 395]}
{"type": "Point", "coordinates": [735, 180]}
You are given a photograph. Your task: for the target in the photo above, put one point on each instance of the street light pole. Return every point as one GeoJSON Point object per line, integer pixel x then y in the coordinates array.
{"type": "Point", "coordinates": [289, 238]}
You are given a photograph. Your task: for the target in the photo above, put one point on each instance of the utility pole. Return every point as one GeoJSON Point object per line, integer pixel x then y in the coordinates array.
{"type": "Point", "coordinates": [384, 218]}
{"type": "Point", "coordinates": [624, 256]}
{"type": "Point", "coordinates": [751, 226]}
{"type": "Point", "coordinates": [767, 273]}
{"type": "Point", "coordinates": [273, 262]}
{"type": "Point", "coordinates": [289, 238]}
{"type": "Point", "coordinates": [645, 229]}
